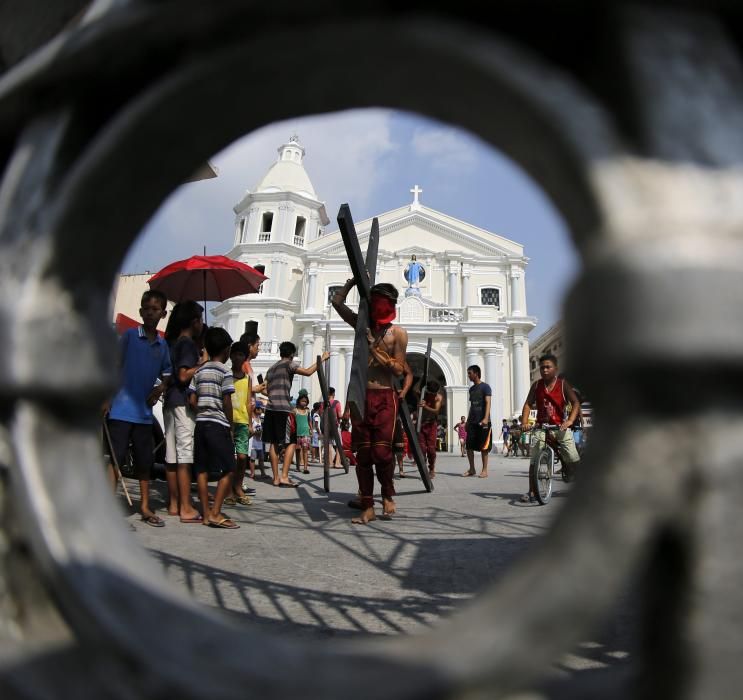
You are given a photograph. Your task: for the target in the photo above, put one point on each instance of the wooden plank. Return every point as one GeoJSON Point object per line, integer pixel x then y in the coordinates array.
{"type": "Point", "coordinates": [410, 431]}
{"type": "Point", "coordinates": [353, 250]}
{"type": "Point", "coordinates": [356, 392]}
{"type": "Point", "coordinates": [424, 380]}
{"type": "Point", "coordinates": [330, 428]}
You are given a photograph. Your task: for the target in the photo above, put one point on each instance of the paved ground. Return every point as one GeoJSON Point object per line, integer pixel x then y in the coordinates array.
{"type": "Point", "coordinates": [298, 563]}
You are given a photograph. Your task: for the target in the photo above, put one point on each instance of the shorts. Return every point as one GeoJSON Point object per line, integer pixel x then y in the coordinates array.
{"type": "Point", "coordinates": [279, 428]}
{"type": "Point", "coordinates": [303, 441]}
{"type": "Point", "coordinates": [213, 450]}
{"type": "Point", "coordinates": [179, 426]}
{"type": "Point", "coordinates": [479, 437]}
{"type": "Point", "coordinates": [315, 442]}
{"type": "Point", "coordinates": [142, 446]}
{"type": "Point", "coordinates": [242, 438]}
{"type": "Point", "coordinates": [565, 445]}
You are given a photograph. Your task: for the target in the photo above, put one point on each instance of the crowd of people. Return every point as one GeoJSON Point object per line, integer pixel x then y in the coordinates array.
{"type": "Point", "coordinates": [223, 423]}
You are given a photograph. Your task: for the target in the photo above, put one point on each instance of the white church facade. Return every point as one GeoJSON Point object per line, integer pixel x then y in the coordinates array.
{"type": "Point", "coordinates": [470, 299]}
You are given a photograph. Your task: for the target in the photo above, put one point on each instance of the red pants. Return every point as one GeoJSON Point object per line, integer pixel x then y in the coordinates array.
{"type": "Point", "coordinates": [372, 439]}
{"type": "Point", "coordinates": [427, 439]}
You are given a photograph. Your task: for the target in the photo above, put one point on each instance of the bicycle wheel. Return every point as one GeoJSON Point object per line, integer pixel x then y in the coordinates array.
{"type": "Point", "coordinates": [540, 475]}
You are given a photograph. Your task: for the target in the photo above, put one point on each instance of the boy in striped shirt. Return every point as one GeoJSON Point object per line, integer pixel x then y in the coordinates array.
{"type": "Point", "coordinates": [214, 450]}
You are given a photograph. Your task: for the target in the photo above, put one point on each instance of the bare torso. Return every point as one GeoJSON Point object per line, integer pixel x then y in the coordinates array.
{"type": "Point", "coordinates": [379, 376]}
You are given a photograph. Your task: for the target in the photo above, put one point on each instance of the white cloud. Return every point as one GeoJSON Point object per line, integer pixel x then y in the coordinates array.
{"type": "Point", "coordinates": [345, 154]}
{"type": "Point", "coordinates": [446, 149]}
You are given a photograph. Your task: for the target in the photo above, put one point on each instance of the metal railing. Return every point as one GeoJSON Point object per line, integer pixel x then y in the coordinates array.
{"type": "Point", "coordinates": [445, 315]}
{"type": "Point", "coordinates": [268, 347]}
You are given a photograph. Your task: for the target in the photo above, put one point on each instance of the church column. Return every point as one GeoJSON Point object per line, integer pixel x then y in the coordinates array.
{"type": "Point", "coordinates": [333, 368]}
{"type": "Point", "coordinates": [453, 269]}
{"type": "Point", "coordinates": [457, 402]}
{"type": "Point", "coordinates": [282, 225]}
{"type": "Point", "coordinates": [308, 343]}
{"type": "Point", "coordinates": [275, 276]}
{"type": "Point", "coordinates": [466, 272]}
{"type": "Point", "coordinates": [490, 376]}
{"type": "Point", "coordinates": [473, 358]}
{"type": "Point", "coordinates": [517, 300]}
{"type": "Point", "coordinates": [520, 372]}
{"type": "Point", "coordinates": [270, 325]}
{"type": "Point", "coordinates": [504, 389]}
{"type": "Point", "coordinates": [311, 288]}
{"type": "Point", "coordinates": [253, 225]}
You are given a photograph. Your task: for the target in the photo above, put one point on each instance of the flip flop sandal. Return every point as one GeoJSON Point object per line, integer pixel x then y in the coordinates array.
{"type": "Point", "coordinates": [230, 501]}
{"type": "Point", "coordinates": [224, 524]}
{"type": "Point", "coordinates": [305, 471]}
{"type": "Point", "coordinates": [195, 519]}
{"type": "Point", "coordinates": [290, 485]}
{"type": "Point", "coordinates": [244, 500]}
{"type": "Point", "coordinates": [153, 521]}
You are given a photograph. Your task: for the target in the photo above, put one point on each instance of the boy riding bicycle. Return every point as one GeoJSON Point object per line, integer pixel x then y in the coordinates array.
{"type": "Point", "coordinates": [550, 395]}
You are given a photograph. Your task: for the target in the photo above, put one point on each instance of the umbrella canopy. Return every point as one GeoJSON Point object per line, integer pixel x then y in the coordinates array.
{"type": "Point", "coordinates": [124, 323]}
{"type": "Point", "coordinates": [207, 277]}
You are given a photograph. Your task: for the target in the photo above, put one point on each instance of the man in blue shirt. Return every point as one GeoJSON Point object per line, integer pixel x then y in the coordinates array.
{"type": "Point", "coordinates": [145, 358]}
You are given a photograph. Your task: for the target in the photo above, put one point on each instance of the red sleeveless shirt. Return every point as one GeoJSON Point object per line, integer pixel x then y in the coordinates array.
{"type": "Point", "coordinates": [551, 404]}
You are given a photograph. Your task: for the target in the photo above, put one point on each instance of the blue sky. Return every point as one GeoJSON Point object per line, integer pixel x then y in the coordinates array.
{"type": "Point", "coordinates": [371, 159]}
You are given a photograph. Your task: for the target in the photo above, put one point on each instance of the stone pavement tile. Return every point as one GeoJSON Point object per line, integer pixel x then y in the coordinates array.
{"type": "Point", "coordinates": [298, 560]}
{"type": "Point", "coordinates": [297, 564]}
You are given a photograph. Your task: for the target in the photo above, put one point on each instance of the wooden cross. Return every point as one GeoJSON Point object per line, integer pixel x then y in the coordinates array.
{"type": "Point", "coordinates": [365, 272]}
{"type": "Point", "coordinates": [424, 380]}
{"type": "Point", "coordinates": [330, 423]}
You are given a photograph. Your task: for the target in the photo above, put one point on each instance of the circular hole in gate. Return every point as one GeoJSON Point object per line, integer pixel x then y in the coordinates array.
{"type": "Point", "coordinates": [496, 261]}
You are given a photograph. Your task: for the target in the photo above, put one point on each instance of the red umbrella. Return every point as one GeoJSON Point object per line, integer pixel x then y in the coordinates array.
{"type": "Point", "coordinates": [207, 277]}
{"type": "Point", "coordinates": [124, 323]}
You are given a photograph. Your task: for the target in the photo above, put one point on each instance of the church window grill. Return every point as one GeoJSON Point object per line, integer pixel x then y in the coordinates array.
{"type": "Point", "coordinates": [299, 230]}
{"type": "Point", "coordinates": [332, 291]}
{"type": "Point", "coordinates": [490, 296]}
{"type": "Point", "coordinates": [266, 225]}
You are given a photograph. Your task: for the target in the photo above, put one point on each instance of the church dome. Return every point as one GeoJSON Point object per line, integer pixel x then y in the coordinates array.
{"type": "Point", "coordinates": [287, 174]}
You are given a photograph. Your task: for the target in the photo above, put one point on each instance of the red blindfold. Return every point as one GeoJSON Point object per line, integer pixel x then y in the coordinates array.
{"type": "Point", "coordinates": [381, 311]}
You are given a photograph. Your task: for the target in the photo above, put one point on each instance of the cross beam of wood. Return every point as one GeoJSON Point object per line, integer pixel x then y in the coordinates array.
{"type": "Point", "coordinates": [412, 434]}
{"type": "Point", "coordinates": [424, 380]}
{"type": "Point", "coordinates": [364, 273]}
{"type": "Point", "coordinates": [330, 428]}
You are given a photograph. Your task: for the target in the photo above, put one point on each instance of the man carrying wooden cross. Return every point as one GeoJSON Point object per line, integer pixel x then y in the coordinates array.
{"type": "Point", "coordinates": [430, 406]}
{"type": "Point", "coordinates": [373, 435]}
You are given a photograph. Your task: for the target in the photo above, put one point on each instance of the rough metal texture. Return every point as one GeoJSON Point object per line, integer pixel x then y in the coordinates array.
{"type": "Point", "coordinates": [630, 120]}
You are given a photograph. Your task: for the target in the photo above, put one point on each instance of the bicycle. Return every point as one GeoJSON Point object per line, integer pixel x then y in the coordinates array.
{"type": "Point", "coordinates": [543, 467]}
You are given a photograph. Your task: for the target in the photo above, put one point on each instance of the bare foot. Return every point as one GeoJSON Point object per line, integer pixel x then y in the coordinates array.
{"type": "Point", "coordinates": [483, 475]}
{"type": "Point", "coordinates": [470, 473]}
{"type": "Point", "coordinates": [366, 517]}
{"type": "Point", "coordinates": [432, 473]}
{"type": "Point", "coordinates": [389, 507]}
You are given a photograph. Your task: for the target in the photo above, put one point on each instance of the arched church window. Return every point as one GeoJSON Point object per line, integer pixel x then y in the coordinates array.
{"type": "Point", "coordinates": [490, 296]}
{"type": "Point", "coordinates": [332, 291]}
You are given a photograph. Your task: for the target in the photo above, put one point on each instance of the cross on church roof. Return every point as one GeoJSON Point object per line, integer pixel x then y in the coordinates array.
{"type": "Point", "coordinates": [416, 191]}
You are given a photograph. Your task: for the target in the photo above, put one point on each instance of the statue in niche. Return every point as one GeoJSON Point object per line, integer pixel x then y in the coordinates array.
{"type": "Point", "coordinates": [414, 274]}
